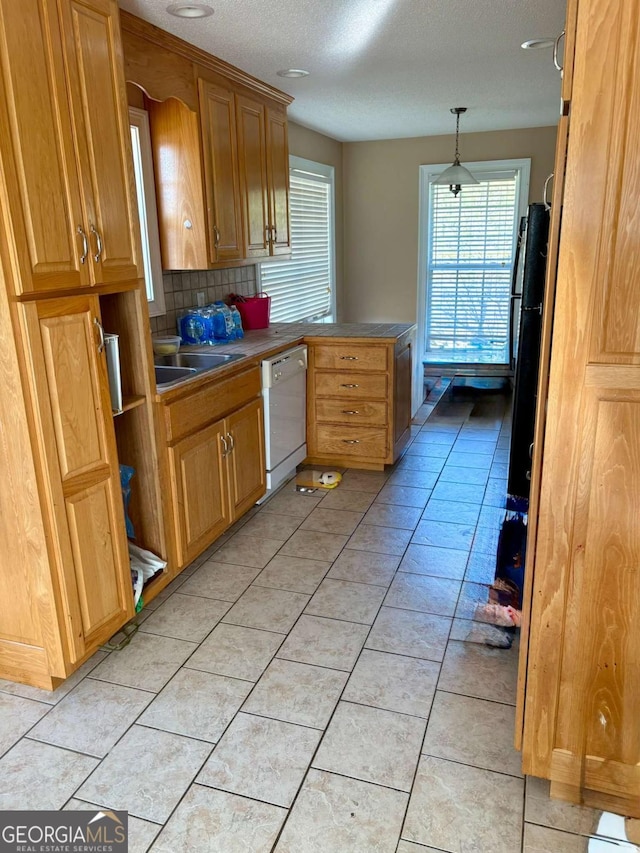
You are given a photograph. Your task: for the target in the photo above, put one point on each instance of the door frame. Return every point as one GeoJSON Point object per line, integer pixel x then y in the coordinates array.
{"type": "Point", "coordinates": [426, 173]}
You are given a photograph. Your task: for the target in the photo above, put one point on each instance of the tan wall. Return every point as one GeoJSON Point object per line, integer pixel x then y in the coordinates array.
{"type": "Point", "coordinates": [323, 149]}
{"type": "Point", "coordinates": [381, 211]}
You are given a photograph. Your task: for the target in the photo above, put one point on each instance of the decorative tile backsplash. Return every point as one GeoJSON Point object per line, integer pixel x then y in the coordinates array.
{"type": "Point", "coordinates": [180, 289]}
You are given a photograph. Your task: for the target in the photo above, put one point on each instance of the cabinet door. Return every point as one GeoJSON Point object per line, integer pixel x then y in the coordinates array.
{"type": "Point", "coordinates": [36, 149]}
{"type": "Point", "coordinates": [583, 679]}
{"type": "Point", "coordinates": [220, 154]}
{"type": "Point", "coordinates": [78, 440]}
{"type": "Point", "coordinates": [200, 490]}
{"type": "Point", "coordinates": [278, 175]}
{"type": "Point", "coordinates": [253, 176]}
{"type": "Point", "coordinates": [246, 461]}
{"type": "Point", "coordinates": [93, 54]}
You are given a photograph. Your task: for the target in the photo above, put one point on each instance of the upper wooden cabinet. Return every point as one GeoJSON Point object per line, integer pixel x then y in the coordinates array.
{"type": "Point", "coordinates": [221, 152]}
{"type": "Point", "coordinates": [264, 178]}
{"type": "Point", "coordinates": [220, 156]}
{"type": "Point", "coordinates": [66, 155]}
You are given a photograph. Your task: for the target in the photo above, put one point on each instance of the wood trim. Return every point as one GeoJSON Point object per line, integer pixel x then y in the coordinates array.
{"type": "Point", "coordinates": [541, 418]}
{"type": "Point", "coordinates": [26, 664]}
{"type": "Point", "coordinates": [167, 41]}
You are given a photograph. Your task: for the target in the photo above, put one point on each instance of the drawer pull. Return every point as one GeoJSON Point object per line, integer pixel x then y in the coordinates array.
{"type": "Point", "coordinates": [349, 385]}
{"type": "Point", "coordinates": [351, 440]}
{"type": "Point", "coordinates": [350, 412]}
{"type": "Point", "coordinates": [349, 357]}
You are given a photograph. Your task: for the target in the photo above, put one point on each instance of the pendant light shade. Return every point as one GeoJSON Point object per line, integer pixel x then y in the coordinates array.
{"type": "Point", "coordinates": [456, 175]}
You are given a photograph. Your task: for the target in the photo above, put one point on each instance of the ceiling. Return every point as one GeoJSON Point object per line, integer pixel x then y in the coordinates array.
{"type": "Point", "coordinates": [383, 69]}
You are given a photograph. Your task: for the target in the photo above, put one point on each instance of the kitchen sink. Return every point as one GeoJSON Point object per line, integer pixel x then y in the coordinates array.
{"type": "Point", "coordinates": [199, 361]}
{"type": "Point", "coordinates": [171, 369]}
{"type": "Point", "coordinates": [169, 375]}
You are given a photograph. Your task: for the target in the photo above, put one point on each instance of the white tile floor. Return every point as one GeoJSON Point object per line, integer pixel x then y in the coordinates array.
{"type": "Point", "coordinates": [303, 688]}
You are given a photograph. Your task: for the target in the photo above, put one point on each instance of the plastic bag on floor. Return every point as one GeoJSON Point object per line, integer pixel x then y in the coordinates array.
{"type": "Point", "coordinates": [144, 566]}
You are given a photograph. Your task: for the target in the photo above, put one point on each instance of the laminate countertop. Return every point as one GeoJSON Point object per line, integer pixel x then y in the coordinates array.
{"type": "Point", "coordinates": [262, 343]}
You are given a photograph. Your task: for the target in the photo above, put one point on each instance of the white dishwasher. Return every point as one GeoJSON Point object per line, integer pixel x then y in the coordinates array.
{"type": "Point", "coordinates": [284, 389]}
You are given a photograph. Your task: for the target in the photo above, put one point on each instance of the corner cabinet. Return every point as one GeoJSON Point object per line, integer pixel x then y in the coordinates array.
{"type": "Point", "coordinates": [215, 449]}
{"type": "Point", "coordinates": [359, 400]}
{"type": "Point", "coordinates": [225, 134]}
{"type": "Point", "coordinates": [579, 677]}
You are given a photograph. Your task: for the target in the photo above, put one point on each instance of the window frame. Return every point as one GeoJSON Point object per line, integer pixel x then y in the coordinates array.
{"type": "Point", "coordinates": [325, 170]}
{"type": "Point", "coordinates": [427, 173]}
{"type": "Point", "coordinates": [149, 230]}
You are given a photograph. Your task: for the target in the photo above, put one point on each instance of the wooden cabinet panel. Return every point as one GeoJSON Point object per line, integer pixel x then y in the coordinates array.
{"type": "Point", "coordinates": [343, 441]}
{"type": "Point", "coordinates": [356, 412]}
{"type": "Point", "coordinates": [220, 155]}
{"type": "Point", "coordinates": [402, 377]}
{"type": "Point", "coordinates": [350, 357]}
{"type": "Point", "coordinates": [354, 386]}
{"type": "Point", "coordinates": [213, 401]}
{"type": "Point", "coordinates": [278, 180]}
{"type": "Point", "coordinates": [582, 681]}
{"type": "Point", "coordinates": [253, 176]}
{"type": "Point", "coordinates": [201, 491]}
{"type": "Point", "coordinates": [175, 142]}
{"type": "Point", "coordinates": [246, 459]}
{"type": "Point", "coordinates": [96, 559]}
{"type": "Point", "coordinates": [68, 343]}
{"type": "Point", "coordinates": [94, 58]}
{"type": "Point", "coordinates": [79, 444]}
{"type": "Point", "coordinates": [36, 148]}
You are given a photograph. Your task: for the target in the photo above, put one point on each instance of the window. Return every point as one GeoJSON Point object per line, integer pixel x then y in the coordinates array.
{"type": "Point", "coordinates": [467, 255]}
{"type": "Point", "coordinates": [147, 212]}
{"type": "Point", "coordinates": [303, 288]}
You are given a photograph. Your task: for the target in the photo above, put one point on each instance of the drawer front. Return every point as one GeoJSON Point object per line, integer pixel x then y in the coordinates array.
{"type": "Point", "coordinates": [361, 442]}
{"type": "Point", "coordinates": [351, 412]}
{"type": "Point", "coordinates": [350, 357]}
{"type": "Point", "coordinates": [210, 403]}
{"type": "Point", "coordinates": [357, 386]}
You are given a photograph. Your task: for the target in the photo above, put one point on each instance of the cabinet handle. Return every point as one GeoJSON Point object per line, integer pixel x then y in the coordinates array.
{"type": "Point", "coordinates": [350, 412]}
{"type": "Point", "coordinates": [351, 440]}
{"type": "Point", "coordinates": [556, 47]}
{"type": "Point", "coordinates": [231, 442]}
{"type": "Point", "coordinates": [547, 205]}
{"type": "Point", "coordinates": [268, 234]}
{"type": "Point", "coordinates": [349, 357]}
{"type": "Point", "coordinates": [274, 238]}
{"type": "Point", "coordinates": [96, 234]}
{"type": "Point", "coordinates": [85, 244]}
{"type": "Point", "coordinates": [216, 236]}
{"type": "Point", "coordinates": [349, 385]}
{"type": "Point", "coordinates": [98, 326]}
{"type": "Point", "coordinates": [225, 452]}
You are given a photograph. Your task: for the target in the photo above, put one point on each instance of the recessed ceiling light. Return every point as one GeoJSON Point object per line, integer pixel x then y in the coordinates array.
{"type": "Point", "coordinates": [190, 10]}
{"type": "Point", "coordinates": [537, 43]}
{"type": "Point", "coordinates": [293, 72]}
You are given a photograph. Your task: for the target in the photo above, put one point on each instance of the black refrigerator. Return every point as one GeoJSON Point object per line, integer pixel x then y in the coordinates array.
{"type": "Point", "coordinates": [527, 294]}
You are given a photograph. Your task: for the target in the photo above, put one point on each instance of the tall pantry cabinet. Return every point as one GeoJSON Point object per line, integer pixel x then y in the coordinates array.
{"type": "Point", "coordinates": [69, 266]}
{"type": "Point", "coordinates": [580, 668]}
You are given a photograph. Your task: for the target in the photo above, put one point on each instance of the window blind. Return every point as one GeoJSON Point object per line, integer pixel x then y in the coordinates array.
{"type": "Point", "coordinates": [470, 259]}
{"type": "Point", "coordinates": [301, 288]}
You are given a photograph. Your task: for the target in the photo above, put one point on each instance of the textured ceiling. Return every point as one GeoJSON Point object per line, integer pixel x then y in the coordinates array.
{"type": "Point", "coordinates": [382, 69]}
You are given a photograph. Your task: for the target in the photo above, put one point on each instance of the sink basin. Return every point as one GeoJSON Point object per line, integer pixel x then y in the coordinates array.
{"type": "Point", "coordinates": [199, 361]}
{"type": "Point", "coordinates": [168, 375]}
{"type": "Point", "coordinates": [171, 369]}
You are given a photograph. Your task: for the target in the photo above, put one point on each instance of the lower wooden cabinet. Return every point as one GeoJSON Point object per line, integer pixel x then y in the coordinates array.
{"type": "Point", "coordinates": [217, 471]}
{"type": "Point", "coordinates": [73, 412]}
{"type": "Point", "coordinates": [359, 400]}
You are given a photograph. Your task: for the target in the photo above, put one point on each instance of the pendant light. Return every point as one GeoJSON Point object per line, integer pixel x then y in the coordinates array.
{"type": "Point", "coordinates": [456, 174]}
